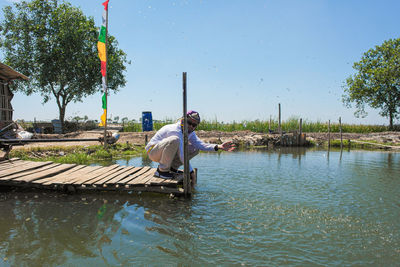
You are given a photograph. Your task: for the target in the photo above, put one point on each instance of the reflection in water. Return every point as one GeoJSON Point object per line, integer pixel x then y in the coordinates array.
{"type": "Point", "coordinates": [341, 153]}
{"type": "Point", "coordinates": [39, 229]}
{"type": "Point", "coordinates": [390, 160]}
{"type": "Point", "coordinates": [47, 228]}
{"type": "Point", "coordinates": [146, 161]}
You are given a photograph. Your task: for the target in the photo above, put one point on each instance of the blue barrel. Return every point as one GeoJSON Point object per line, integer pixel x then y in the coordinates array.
{"type": "Point", "coordinates": [147, 121]}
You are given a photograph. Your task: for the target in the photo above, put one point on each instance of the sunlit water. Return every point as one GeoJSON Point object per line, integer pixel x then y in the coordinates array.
{"type": "Point", "coordinates": [294, 207]}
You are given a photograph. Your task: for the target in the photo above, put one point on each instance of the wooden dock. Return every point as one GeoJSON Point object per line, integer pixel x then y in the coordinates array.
{"type": "Point", "coordinates": [73, 177]}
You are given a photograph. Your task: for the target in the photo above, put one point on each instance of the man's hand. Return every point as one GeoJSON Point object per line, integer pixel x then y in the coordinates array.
{"type": "Point", "coordinates": [227, 146]}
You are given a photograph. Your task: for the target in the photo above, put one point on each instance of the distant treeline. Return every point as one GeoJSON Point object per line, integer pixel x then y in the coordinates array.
{"type": "Point", "coordinates": [260, 126]}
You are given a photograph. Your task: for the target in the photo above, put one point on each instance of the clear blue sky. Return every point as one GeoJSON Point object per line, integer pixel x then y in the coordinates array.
{"type": "Point", "coordinates": [242, 57]}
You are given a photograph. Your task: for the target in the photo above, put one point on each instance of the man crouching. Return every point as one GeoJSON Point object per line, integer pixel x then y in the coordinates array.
{"type": "Point", "coordinates": [166, 146]}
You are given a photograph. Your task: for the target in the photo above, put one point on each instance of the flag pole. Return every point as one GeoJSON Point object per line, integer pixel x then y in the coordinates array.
{"type": "Point", "coordinates": [186, 174]}
{"type": "Point", "coordinates": [106, 87]}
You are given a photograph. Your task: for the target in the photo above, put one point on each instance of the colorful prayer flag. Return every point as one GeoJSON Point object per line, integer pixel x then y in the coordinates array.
{"type": "Point", "coordinates": [101, 47]}
{"type": "Point", "coordinates": [104, 106]}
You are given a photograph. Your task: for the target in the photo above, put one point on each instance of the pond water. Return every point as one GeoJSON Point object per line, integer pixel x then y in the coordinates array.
{"type": "Point", "coordinates": [284, 207]}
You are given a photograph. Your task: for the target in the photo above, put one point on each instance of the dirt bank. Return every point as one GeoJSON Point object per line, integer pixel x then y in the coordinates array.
{"type": "Point", "coordinates": [246, 138]}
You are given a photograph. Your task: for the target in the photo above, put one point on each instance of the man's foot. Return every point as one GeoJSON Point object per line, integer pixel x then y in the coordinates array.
{"type": "Point", "coordinates": [165, 175]}
{"type": "Point", "coordinates": [176, 171]}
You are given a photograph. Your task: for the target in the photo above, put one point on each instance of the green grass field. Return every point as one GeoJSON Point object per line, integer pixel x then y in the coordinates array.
{"type": "Point", "coordinates": [260, 126]}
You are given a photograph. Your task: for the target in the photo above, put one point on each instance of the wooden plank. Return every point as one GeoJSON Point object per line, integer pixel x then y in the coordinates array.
{"type": "Point", "coordinates": [28, 172]}
{"type": "Point", "coordinates": [13, 164]}
{"type": "Point", "coordinates": [121, 173]}
{"type": "Point", "coordinates": [156, 180]}
{"type": "Point", "coordinates": [133, 176]}
{"type": "Point", "coordinates": [143, 178]}
{"type": "Point", "coordinates": [45, 173]}
{"type": "Point", "coordinates": [18, 167]}
{"type": "Point", "coordinates": [63, 178]}
{"type": "Point", "coordinates": [90, 176]}
{"type": "Point", "coordinates": [105, 175]}
{"type": "Point", "coordinates": [95, 170]}
{"type": "Point", "coordinates": [8, 161]}
{"type": "Point", "coordinates": [162, 181]}
{"type": "Point", "coordinates": [65, 174]}
{"type": "Point", "coordinates": [156, 189]}
{"type": "Point", "coordinates": [123, 176]}
{"type": "Point", "coordinates": [29, 166]}
{"type": "Point", "coordinates": [138, 188]}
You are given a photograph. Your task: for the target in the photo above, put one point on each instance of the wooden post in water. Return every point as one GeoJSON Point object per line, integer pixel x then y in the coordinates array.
{"type": "Point", "coordinates": [280, 125]}
{"type": "Point", "coordinates": [186, 174]}
{"type": "Point", "coordinates": [300, 137]}
{"type": "Point", "coordinates": [329, 134]}
{"type": "Point", "coordinates": [279, 121]}
{"type": "Point", "coordinates": [269, 125]}
{"type": "Point", "coordinates": [194, 181]}
{"type": "Point", "coordinates": [341, 136]}
{"type": "Point", "coordinates": [301, 126]}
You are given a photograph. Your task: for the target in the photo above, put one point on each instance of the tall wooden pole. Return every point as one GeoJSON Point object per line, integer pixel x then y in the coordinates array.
{"type": "Point", "coordinates": [186, 174]}
{"type": "Point", "coordinates": [106, 89]}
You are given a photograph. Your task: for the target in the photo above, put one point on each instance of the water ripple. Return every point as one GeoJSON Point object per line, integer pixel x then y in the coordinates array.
{"type": "Point", "coordinates": [252, 209]}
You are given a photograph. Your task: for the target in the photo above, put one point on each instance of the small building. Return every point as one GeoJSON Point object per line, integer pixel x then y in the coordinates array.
{"type": "Point", "coordinates": [7, 75]}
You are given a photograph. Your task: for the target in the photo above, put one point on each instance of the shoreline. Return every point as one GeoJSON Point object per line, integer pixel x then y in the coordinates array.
{"type": "Point", "coordinates": [382, 140]}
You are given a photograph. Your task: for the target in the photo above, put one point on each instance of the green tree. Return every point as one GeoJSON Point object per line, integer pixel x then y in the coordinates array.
{"type": "Point", "coordinates": [55, 45]}
{"type": "Point", "coordinates": [124, 119]}
{"type": "Point", "coordinates": [77, 119]}
{"type": "Point", "coordinates": [376, 82]}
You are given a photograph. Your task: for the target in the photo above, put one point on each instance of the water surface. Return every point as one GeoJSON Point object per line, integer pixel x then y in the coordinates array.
{"type": "Point", "coordinates": [294, 207]}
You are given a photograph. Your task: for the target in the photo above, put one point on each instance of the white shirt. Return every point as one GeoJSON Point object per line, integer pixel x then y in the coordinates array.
{"type": "Point", "coordinates": [176, 130]}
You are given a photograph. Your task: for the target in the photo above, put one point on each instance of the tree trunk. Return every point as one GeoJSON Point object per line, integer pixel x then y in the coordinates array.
{"type": "Point", "coordinates": [391, 120]}
{"type": "Point", "coordinates": [62, 117]}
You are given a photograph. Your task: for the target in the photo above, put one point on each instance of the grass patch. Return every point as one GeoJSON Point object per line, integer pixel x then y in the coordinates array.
{"type": "Point", "coordinates": [78, 154]}
{"type": "Point", "coordinates": [370, 145]}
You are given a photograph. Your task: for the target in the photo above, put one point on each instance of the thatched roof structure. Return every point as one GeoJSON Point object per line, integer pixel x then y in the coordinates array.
{"type": "Point", "coordinates": [8, 74]}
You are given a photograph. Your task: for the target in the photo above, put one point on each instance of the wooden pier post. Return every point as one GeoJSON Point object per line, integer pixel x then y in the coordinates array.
{"type": "Point", "coordinates": [341, 136]}
{"type": "Point", "coordinates": [279, 120]}
{"type": "Point", "coordinates": [269, 125]}
{"type": "Point", "coordinates": [301, 126]}
{"type": "Point", "coordinates": [299, 135]}
{"type": "Point", "coordinates": [329, 134]}
{"type": "Point", "coordinates": [279, 124]}
{"type": "Point", "coordinates": [186, 174]}
{"type": "Point", "coordinates": [194, 181]}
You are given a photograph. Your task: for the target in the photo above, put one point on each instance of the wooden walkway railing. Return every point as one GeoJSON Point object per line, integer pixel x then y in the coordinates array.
{"type": "Point", "coordinates": [72, 177]}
